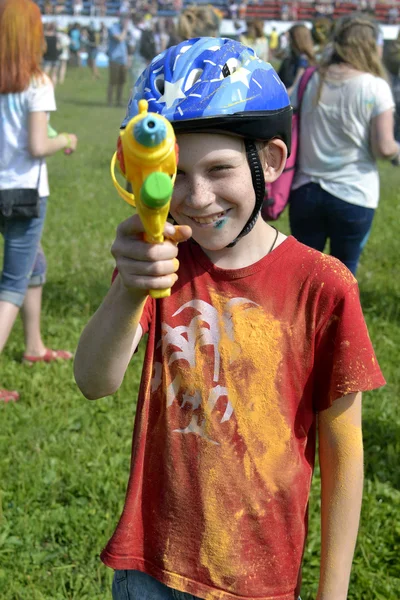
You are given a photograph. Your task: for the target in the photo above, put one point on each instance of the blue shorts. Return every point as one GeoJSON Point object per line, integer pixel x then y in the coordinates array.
{"type": "Point", "coordinates": [24, 263]}
{"type": "Point", "coordinates": [135, 585]}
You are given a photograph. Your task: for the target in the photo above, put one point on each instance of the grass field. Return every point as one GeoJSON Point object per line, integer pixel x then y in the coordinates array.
{"type": "Point", "coordinates": [65, 460]}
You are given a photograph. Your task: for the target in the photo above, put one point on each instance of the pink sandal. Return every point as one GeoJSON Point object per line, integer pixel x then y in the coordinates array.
{"type": "Point", "coordinates": [48, 356]}
{"type": "Point", "coordinates": [8, 396]}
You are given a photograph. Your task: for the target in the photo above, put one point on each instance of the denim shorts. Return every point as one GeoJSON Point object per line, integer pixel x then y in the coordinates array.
{"type": "Point", "coordinates": [24, 263]}
{"type": "Point", "coordinates": [135, 585]}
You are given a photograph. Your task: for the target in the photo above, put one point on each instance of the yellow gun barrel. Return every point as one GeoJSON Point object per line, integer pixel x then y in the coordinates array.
{"type": "Point", "coordinates": [148, 157]}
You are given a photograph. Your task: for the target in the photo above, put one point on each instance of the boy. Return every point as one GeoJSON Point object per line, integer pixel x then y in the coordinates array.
{"type": "Point", "coordinates": [260, 339]}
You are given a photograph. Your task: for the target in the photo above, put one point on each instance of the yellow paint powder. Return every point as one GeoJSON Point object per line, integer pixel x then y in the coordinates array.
{"type": "Point", "coordinates": [250, 351]}
{"type": "Point", "coordinates": [251, 363]}
{"type": "Point", "coordinates": [342, 458]}
{"type": "Point", "coordinates": [349, 445]}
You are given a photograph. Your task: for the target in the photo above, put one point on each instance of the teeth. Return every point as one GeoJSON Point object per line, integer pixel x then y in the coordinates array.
{"type": "Point", "coordinates": [205, 220]}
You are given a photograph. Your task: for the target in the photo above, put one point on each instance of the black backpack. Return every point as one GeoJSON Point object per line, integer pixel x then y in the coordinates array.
{"type": "Point", "coordinates": [288, 69]}
{"type": "Point", "coordinates": [147, 47]}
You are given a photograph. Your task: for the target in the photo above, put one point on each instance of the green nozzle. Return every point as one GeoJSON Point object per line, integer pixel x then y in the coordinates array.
{"type": "Point", "coordinates": [156, 190]}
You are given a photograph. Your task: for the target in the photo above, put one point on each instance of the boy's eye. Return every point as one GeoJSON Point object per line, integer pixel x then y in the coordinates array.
{"type": "Point", "coordinates": [220, 168]}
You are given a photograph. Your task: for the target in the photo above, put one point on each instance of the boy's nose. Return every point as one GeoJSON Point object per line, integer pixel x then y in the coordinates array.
{"type": "Point", "coordinates": [199, 194]}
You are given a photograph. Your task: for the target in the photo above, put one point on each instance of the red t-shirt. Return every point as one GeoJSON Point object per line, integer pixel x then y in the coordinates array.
{"type": "Point", "coordinates": [237, 364]}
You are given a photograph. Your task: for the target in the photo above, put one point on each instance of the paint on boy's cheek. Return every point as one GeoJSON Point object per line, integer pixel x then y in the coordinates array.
{"type": "Point", "coordinates": [219, 224]}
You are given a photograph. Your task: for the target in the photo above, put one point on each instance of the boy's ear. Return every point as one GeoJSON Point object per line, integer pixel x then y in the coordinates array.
{"type": "Point", "coordinates": [275, 155]}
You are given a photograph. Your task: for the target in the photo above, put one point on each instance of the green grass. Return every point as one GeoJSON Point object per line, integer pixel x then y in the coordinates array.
{"type": "Point", "coordinates": [65, 461]}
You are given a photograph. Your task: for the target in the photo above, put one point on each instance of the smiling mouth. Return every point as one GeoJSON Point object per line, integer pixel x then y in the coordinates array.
{"type": "Point", "coordinates": [208, 220]}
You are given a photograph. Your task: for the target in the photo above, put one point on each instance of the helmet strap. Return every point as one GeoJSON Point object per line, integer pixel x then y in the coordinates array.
{"type": "Point", "coordinates": [257, 177]}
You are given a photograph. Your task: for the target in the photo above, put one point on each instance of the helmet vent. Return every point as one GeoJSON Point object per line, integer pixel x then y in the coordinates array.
{"type": "Point", "coordinates": [231, 65]}
{"type": "Point", "coordinates": [225, 70]}
{"type": "Point", "coordinates": [159, 84]}
{"type": "Point", "coordinates": [193, 78]}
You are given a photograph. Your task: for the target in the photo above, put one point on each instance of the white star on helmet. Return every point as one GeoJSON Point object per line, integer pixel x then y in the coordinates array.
{"type": "Point", "coordinates": [172, 92]}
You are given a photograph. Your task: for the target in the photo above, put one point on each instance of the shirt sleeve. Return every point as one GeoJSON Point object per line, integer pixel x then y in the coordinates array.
{"type": "Point", "coordinates": [41, 96]}
{"type": "Point", "coordinates": [147, 314]}
{"type": "Point", "coordinates": [383, 97]}
{"type": "Point", "coordinates": [345, 360]}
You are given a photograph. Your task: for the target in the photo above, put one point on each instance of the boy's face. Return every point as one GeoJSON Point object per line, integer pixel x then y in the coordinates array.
{"type": "Point", "coordinates": [213, 191]}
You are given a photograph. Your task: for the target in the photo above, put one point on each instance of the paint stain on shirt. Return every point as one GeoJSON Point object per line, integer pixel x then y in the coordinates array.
{"type": "Point", "coordinates": [250, 351]}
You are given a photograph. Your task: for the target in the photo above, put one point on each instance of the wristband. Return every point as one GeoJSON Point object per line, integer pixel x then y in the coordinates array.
{"type": "Point", "coordinates": [69, 141]}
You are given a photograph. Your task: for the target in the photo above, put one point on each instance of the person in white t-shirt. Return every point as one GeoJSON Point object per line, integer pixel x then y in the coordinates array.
{"type": "Point", "coordinates": [26, 98]}
{"type": "Point", "coordinates": [346, 123]}
{"type": "Point", "coordinates": [64, 41]}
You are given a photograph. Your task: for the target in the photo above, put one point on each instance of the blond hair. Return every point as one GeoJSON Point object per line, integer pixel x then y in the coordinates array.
{"type": "Point", "coordinates": [255, 29]}
{"type": "Point", "coordinates": [301, 42]}
{"type": "Point", "coordinates": [199, 21]}
{"type": "Point", "coordinates": [355, 43]}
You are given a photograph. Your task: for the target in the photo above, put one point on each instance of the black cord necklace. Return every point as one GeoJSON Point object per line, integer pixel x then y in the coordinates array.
{"type": "Point", "coordinates": [274, 242]}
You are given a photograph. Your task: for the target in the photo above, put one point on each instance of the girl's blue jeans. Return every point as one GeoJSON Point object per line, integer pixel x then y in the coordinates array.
{"type": "Point", "coordinates": [316, 216]}
{"type": "Point", "coordinates": [24, 263]}
{"type": "Point", "coordinates": [135, 585]}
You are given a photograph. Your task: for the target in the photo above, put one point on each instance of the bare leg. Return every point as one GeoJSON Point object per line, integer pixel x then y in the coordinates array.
{"type": "Point", "coordinates": [30, 313]}
{"type": "Point", "coordinates": [54, 75]}
{"type": "Point", "coordinates": [8, 314]}
{"type": "Point", "coordinates": [62, 71]}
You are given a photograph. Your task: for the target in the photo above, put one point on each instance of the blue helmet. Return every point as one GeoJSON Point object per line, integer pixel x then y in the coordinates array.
{"type": "Point", "coordinates": [218, 85]}
{"type": "Point", "coordinates": [215, 84]}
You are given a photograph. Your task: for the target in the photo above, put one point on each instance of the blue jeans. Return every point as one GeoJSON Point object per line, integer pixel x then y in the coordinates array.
{"type": "Point", "coordinates": [135, 585]}
{"type": "Point", "coordinates": [24, 262]}
{"type": "Point", "coordinates": [316, 216]}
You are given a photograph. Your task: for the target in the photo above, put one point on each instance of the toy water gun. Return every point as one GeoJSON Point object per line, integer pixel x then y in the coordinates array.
{"type": "Point", "coordinates": [147, 155]}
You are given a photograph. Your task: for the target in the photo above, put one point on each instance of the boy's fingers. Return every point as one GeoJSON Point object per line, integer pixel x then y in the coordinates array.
{"type": "Point", "coordinates": [139, 250]}
{"type": "Point", "coordinates": [182, 233]}
{"type": "Point", "coordinates": [131, 226]}
{"type": "Point", "coordinates": [150, 269]}
{"type": "Point", "coordinates": [134, 226]}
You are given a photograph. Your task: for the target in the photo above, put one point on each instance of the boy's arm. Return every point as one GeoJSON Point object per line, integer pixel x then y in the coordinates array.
{"type": "Point", "coordinates": [113, 333]}
{"type": "Point", "coordinates": [341, 463]}
{"type": "Point", "coordinates": [108, 342]}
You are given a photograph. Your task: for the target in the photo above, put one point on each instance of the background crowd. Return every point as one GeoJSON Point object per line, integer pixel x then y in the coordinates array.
{"type": "Point", "coordinates": [128, 44]}
{"type": "Point", "coordinates": [60, 503]}
{"type": "Point", "coordinates": [385, 10]}
{"type": "Point", "coordinates": [145, 33]}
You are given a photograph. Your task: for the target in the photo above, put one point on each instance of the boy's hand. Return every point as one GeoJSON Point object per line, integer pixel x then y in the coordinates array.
{"type": "Point", "coordinates": [73, 141]}
{"type": "Point", "coordinates": [143, 266]}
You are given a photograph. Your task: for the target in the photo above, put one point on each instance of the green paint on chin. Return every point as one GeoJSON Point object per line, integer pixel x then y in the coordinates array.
{"type": "Point", "coordinates": [219, 224]}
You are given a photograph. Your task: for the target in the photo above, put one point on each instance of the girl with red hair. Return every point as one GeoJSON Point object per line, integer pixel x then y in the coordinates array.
{"type": "Point", "coordinates": [26, 98]}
